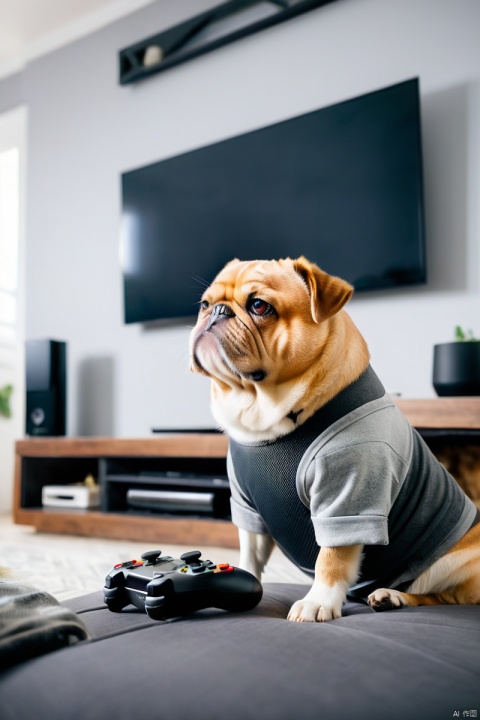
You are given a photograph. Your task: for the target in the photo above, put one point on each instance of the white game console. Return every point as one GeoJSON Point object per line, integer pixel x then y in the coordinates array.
{"type": "Point", "coordinates": [71, 496]}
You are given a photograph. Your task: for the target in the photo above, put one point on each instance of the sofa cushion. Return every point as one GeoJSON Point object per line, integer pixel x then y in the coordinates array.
{"type": "Point", "coordinates": [409, 663]}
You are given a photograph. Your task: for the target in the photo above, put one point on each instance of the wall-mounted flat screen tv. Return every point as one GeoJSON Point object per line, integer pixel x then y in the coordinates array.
{"type": "Point", "coordinates": [341, 185]}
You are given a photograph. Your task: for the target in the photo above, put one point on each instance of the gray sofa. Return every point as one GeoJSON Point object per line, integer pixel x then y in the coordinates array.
{"type": "Point", "coordinates": [412, 663]}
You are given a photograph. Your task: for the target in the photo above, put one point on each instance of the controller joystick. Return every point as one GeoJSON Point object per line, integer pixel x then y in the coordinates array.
{"type": "Point", "coordinates": [165, 587]}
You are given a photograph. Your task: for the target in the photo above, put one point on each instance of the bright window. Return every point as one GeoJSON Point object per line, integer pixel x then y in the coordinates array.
{"type": "Point", "coordinates": [9, 241]}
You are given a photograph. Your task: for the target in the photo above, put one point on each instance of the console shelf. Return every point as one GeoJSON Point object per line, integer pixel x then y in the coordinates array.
{"type": "Point", "coordinates": [119, 464]}
{"type": "Point", "coordinates": [446, 413]}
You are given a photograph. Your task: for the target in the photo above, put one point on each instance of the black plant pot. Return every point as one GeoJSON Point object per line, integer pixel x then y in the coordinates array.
{"type": "Point", "coordinates": [456, 368]}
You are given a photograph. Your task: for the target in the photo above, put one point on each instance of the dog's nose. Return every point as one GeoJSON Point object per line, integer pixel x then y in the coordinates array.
{"type": "Point", "coordinates": [219, 311]}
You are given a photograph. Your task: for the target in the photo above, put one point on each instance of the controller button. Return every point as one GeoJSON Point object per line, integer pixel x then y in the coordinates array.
{"type": "Point", "coordinates": [118, 565]}
{"type": "Point", "coordinates": [223, 566]}
{"type": "Point", "coordinates": [198, 569]}
{"type": "Point", "coordinates": [191, 557]}
{"type": "Point", "coordinates": [211, 566]}
{"type": "Point", "coordinates": [137, 563]}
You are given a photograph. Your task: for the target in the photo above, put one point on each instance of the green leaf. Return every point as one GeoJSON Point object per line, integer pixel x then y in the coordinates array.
{"type": "Point", "coordinates": [5, 394]}
{"type": "Point", "coordinates": [459, 334]}
{"type": "Point", "coordinates": [462, 336]}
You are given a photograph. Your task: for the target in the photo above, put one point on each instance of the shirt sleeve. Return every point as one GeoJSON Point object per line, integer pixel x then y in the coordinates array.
{"type": "Point", "coordinates": [244, 514]}
{"type": "Point", "coordinates": [350, 492]}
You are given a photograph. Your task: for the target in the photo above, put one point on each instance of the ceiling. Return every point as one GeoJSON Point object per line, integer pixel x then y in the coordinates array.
{"type": "Point", "coordinates": [30, 28]}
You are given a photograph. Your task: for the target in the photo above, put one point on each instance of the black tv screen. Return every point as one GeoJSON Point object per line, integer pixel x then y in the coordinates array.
{"type": "Point", "coordinates": [341, 185]}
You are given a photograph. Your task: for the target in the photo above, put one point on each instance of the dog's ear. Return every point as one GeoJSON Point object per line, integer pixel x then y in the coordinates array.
{"type": "Point", "coordinates": [328, 294]}
{"type": "Point", "coordinates": [231, 262]}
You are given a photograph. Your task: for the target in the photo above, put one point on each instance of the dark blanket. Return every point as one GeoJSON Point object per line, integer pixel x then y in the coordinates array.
{"type": "Point", "coordinates": [410, 663]}
{"type": "Point", "coordinates": [33, 623]}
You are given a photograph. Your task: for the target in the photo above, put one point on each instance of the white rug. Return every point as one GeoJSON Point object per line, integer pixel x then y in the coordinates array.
{"type": "Point", "coordinates": [67, 566]}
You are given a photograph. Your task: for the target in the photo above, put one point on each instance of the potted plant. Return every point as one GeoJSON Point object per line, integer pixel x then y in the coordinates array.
{"type": "Point", "coordinates": [456, 365]}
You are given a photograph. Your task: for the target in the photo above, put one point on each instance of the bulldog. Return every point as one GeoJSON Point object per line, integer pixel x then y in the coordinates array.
{"type": "Point", "coordinates": [321, 462]}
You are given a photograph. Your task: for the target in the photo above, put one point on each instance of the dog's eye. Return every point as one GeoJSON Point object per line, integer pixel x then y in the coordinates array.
{"type": "Point", "coordinates": [260, 307]}
{"type": "Point", "coordinates": [204, 305]}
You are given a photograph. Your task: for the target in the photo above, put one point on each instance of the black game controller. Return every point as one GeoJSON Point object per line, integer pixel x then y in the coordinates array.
{"type": "Point", "coordinates": [166, 588]}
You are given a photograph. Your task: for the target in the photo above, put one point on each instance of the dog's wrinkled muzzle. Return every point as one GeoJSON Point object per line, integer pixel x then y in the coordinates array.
{"type": "Point", "coordinates": [219, 312]}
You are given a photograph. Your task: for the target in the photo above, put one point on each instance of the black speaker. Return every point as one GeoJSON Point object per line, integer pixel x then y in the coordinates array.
{"type": "Point", "coordinates": [46, 362]}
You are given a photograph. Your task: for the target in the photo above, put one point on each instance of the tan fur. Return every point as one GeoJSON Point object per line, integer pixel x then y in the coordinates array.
{"type": "Point", "coordinates": [453, 579]}
{"type": "Point", "coordinates": [294, 360]}
{"type": "Point", "coordinates": [338, 564]}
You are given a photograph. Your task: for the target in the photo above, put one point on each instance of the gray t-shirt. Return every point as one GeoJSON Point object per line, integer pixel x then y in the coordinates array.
{"type": "Point", "coordinates": [370, 479]}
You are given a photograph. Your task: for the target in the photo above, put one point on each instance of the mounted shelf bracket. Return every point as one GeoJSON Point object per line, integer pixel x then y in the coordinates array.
{"type": "Point", "coordinates": [205, 32]}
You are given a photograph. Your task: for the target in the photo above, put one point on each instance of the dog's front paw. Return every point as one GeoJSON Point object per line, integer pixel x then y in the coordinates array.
{"type": "Point", "coordinates": [322, 602]}
{"type": "Point", "coordinates": [386, 599]}
{"type": "Point", "coordinates": [311, 611]}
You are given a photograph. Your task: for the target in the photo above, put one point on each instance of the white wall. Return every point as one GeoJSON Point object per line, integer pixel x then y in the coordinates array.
{"type": "Point", "coordinates": [85, 129]}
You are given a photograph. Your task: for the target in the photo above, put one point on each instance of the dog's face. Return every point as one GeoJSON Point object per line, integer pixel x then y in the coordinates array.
{"type": "Point", "coordinates": [261, 332]}
{"type": "Point", "coordinates": [257, 320]}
